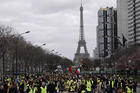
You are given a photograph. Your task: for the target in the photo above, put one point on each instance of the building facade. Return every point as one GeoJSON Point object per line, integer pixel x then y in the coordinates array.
{"type": "Point", "coordinates": [96, 53]}
{"type": "Point", "coordinates": [134, 22]}
{"type": "Point", "coordinates": [107, 32]}
{"type": "Point", "coordinates": [122, 19]}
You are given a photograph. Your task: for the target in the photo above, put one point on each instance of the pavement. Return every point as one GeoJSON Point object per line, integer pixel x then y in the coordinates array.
{"type": "Point", "coordinates": [138, 90]}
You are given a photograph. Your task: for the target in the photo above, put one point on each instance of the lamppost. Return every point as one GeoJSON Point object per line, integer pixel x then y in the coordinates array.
{"type": "Point", "coordinates": [41, 65]}
{"type": "Point", "coordinates": [17, 49]}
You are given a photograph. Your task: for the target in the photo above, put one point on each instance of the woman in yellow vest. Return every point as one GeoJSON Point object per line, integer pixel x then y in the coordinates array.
{"type": "Point", "coordinates": [43, 88]}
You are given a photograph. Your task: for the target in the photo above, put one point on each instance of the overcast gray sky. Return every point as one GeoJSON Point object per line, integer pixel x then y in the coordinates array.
{"type": "Point", "coordinates": [54, 22]}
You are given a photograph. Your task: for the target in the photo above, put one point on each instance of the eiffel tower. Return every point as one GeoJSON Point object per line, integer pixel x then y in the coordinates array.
{"type": "Point", "coordinates": [82, 43]}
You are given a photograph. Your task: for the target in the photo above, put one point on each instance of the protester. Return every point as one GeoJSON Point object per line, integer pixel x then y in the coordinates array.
{"type": "Point", "coordinates": [70, 83]}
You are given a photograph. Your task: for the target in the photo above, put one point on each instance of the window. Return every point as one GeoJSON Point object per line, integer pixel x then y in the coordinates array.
{"type": "Point", "coordinates": [101, 39]}
{"type": "Point", "coordinates": [101, 26]}
{"type": "Point", "coordinates": [108, 19]}
{"type": "Point", "coordinates": [101, 33]}
{"type": "Point", "coordinates": [108, 32]}
{"type": "Point", "coordinates": [100, 13]}
{"type": "Point", "coordinates": [110, 12]}
{"type": "Point", "coordinates": [108, 26]}
{"type": "Point", "coordinates": [101, 47]}
{"type": "Point", "coordinates": [109, 39]}
{"type": "Point", "coordinates": [101, 19]}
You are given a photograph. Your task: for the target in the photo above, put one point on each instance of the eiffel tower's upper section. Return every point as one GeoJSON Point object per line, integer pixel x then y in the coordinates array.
{"type": "Point", "coordinates": [82, 38]}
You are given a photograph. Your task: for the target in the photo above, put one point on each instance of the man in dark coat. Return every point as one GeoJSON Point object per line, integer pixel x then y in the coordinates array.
{"type": "Point", "coordinates": [51, 87]}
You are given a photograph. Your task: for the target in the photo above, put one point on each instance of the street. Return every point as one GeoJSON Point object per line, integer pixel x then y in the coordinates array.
{"type": "Point", "coordinates": [138, 90]}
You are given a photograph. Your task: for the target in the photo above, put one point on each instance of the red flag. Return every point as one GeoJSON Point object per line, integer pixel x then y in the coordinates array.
{"type": "Point", "coordinates": [77, 71]}
{"type": "Point", "coordinates": [70, 70]}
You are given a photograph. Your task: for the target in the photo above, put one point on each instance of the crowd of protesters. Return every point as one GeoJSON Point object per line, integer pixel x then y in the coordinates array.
{"type": "Point", "coordinates": [68, 83]}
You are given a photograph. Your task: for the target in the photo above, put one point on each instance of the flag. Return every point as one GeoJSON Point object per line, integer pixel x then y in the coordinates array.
{"type": "Point", "coordinates": [70, 69]}
{"type": "Point", "coordinates": [77, 71]}
{"type": "Point", "coordinates": [124, 40]}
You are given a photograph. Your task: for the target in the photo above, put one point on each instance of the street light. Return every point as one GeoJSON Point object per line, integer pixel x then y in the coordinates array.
{"type": "Point", "coordinates": [41, 58]}
{"type": "Point", "coordinates": [17, 48]}
{"type": "Point", "coordinates": [43, 44]}
{"type": "Point", "coordinates": [24, 33]}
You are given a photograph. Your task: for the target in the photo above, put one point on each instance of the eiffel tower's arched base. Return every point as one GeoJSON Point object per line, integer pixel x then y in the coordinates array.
{"type": "Point", "coordinates": [79, 57]}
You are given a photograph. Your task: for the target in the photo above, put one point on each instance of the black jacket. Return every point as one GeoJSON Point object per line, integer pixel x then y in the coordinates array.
{"type": "Point", "coordinates": [51, 88]}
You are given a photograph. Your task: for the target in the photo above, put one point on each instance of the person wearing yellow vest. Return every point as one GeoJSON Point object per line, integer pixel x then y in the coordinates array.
{"type": "Point", "coordinates": [103, 84]}
{"type": "Point", "coordinates": [57, 88]}
{"type": "Point", "coordinates": [43, 88]}
{"type": "Point", "coordinates": [21, 86]}
{"type": "Point", "coordinates": [31, 88]}
{"type": "Point", "coordinates": [82, 88]}
{"type": "Point", "coordinates": [72, 87]}
{"type": "Point", "coordinates": [111, 84]}
{"type": "Point", "coordinates": [88, 86]}
{"type": "Point", "coordinates": [34, 88]}
{"type": "Point", "coordinates": [129, 90]}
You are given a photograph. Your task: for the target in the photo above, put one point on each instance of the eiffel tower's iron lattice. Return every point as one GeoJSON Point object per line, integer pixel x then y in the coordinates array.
{"type": "Point", "coordinates": [82, 43]}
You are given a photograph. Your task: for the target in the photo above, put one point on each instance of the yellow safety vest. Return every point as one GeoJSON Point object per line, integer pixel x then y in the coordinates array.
{"type": "Point", "coordinates": [92, 81]}
{"type": "Point", "coordinates": [102, 84]}
{"type": "Point", "coordinates": [109, 82]}
{"type": "Point", "coordinates": [31, 90]}
{"type": "Point", "coordinates": [72, 88]}
{"type": "Point", "coordinates": [84, 81]}
{"type": "Point", "coordinates": [129, 90]}
{"type": "Point", "coordinates": [120, 85]}
{"type": "Point", "coordinates": [88, 86]}
{"type": "Point", "coordinates": [57, 87]}
{"type": "Point", "coordinates": [9, 79]}
{"type": "Point", "coordinates": [83, 91]}
{"type": "Point", "coordinates": [69, 82]}
{"type": "Point", "coordinates": [43, 90]}
{"type": "Point", "coordinates": [35, 89]}
{"type": "Point", "coordinates": [26, 86]}
{"type": "Point", "coordinates": [9, 84]}
{"type": "Point", "coordinates": [75, 82]}
{"type": "Point", "coordinates": [98, 80]}
{"type": "Point", "coordinates": [112, 84]}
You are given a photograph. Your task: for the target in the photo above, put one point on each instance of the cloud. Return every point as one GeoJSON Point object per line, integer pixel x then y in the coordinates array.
{"type": "Point", "coordinates": [53, 6]}
{"type": "Point", "coordinates": [55, 22]}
